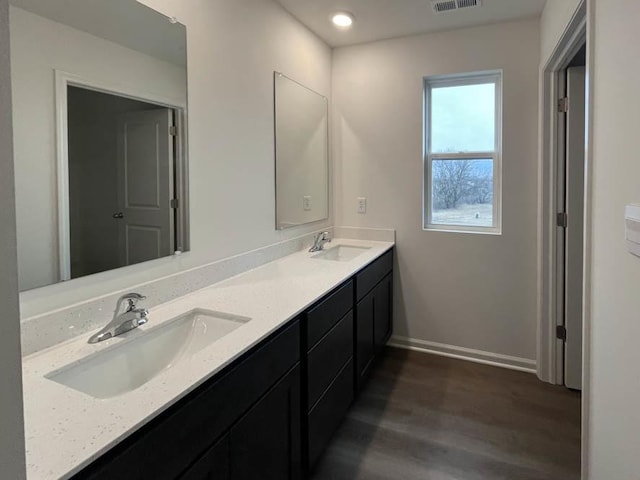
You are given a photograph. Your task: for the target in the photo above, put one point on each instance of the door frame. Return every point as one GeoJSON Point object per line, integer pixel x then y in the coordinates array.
{"type": "Point", "coordinates": [63, 80]}
{"type": "Point", "coordinates": [579, 30]}
{"type": "Point", "coordinates": [551, 262]}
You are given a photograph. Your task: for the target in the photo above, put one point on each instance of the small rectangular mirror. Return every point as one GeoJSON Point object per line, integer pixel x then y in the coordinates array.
{"type": "Point", "coordinates": [302, 166]}
{"type": "Point", "coordinates": [99, 105]}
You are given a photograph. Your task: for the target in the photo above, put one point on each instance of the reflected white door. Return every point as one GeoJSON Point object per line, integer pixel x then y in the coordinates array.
{"type": "Point", "coordinates": [574, 249]}
{"type": "Point", "coordinates": [145, 185]}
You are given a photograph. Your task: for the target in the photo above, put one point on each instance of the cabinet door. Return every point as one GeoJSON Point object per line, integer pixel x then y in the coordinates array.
{"type": "Point", "coordinates": [266, 443]}
{"type": "Point", "coordinates": [364, 336]}
{"type": "Point", "coordinates": [382, 313]}
{"type": "Point", "coordinates": [213, 465]}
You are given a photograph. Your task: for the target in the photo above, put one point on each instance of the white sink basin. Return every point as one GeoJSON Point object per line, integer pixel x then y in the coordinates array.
{"type": "Point", "coordinates": [132, 363]}
{"type": "Point", "coordinates": [341, 253]}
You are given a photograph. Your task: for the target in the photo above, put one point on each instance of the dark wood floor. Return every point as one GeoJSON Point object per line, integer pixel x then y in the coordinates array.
{"type": "Point", "coordinates": [424, 417]}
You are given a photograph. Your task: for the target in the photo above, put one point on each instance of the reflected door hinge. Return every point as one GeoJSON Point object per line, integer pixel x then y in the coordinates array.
{"type": "Point", "coordinates": [175, 203]}
{"type": "Point", "coordinates": [563, 105]}
{"type": "Point", "coordinates": [173, 131]}
{"type": "Point", "coordinates": [562, 219]}
{"type": "Point", "coordinates": [561, 333]}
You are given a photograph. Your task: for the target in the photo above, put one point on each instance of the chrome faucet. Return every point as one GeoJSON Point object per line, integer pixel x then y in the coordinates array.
{"type": "Point", "coordinates": [319, 240]}
{"type": "Point", "coordinates": [131, 318]}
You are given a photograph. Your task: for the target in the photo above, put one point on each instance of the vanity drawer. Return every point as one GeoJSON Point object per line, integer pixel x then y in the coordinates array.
{"type": "Point", "coordinates": [214, 464]}
{"type": "Point", "coordinates": [371, 275]}
{"type": "Point", "coordinates": [322, 317]}
{"type": "Point", "coordinates": [328, 413]}
{"type": "Point", "coordinates": [167, 445]}
{"type": "Point", "coordinates": [327, 358]}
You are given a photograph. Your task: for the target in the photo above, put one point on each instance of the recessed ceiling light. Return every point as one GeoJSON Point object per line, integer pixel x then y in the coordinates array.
{"type": "Point", "coordinates": [342, 19]}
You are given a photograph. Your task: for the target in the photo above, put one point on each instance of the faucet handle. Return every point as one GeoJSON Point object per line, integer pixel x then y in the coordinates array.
{"type": "Point", "coordinates": [131, 298]}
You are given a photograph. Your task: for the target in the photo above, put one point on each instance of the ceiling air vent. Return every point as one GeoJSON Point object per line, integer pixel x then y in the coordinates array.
{"type": "Point", "coordinates": [444, 5]}
{"type": "Point", "coordinates": [440, 6]}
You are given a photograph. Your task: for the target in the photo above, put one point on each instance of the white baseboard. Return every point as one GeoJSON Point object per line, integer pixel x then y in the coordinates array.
{"type": "Point", "coordinates": [462, 353]}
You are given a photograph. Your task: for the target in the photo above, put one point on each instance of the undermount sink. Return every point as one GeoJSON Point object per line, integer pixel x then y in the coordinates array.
{"type": "Point", "coordinates": [341, 253]}
{"type": "Point", "coordinates": [131, 364]}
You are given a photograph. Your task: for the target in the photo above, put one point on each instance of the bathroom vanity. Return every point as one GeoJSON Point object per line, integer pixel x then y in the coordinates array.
{"type": "Point", "coordinates": [250, 355]}
{"type": "Point", "coordinates": [262, 401]}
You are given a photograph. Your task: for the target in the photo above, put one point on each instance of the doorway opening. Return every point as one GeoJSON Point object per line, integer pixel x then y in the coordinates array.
{"type": "Point", "coordinates": [565, 199]}
{"type": "Point", "coordinates": [121, 181]}
{"type": "Point", "coordinates": [564, 220]}
{"type": "Point", "coordinates": [121, 178]}
{"type": "Point", "coordinates": [570, 225]}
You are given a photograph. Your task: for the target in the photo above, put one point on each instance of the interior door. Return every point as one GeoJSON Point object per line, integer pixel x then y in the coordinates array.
{"type": "Point", "coordinates": [145, 185]}
{"type": "Point", "coordinates": [574, 237]}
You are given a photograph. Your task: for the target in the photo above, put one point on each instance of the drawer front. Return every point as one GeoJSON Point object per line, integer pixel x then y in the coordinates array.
{"type": "Point", "coordinates": [328, 357]}
{"type": "Point", "coordinates": [329, 412]}
{"type": "Point", "coordinates": [364, 337]}
{"type": "Point", "coordinates": [213, 465]}
{"type": "Point", "coordinates": [370, 276]}
{"type": "Point", "coordinates": [328, 312]}
{"type": "Point", "coordinates": [382, 314]}
{"type": "Point", "coordinates": [203, 416]}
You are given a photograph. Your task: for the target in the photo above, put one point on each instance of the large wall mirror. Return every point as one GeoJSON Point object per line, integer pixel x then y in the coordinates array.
{"type": "Point", "coordinates": [99, 105]}
{"type": "Point", "coordinates": [302, 166]}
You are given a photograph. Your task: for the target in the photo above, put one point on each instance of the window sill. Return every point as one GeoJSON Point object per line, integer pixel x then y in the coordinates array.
{"type": "Point", "coordinates": [459, 229]}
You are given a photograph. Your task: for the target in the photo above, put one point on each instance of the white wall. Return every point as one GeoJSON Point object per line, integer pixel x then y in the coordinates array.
{"type": "Point", "coordinates": [233, 50]}
{"type": "Point", "coordinates": [553, 22]}
{"type": "Point", "coordinates": [38, 47]}
{"type": "Point", "coordinates": [614, 394]}
{"type": "Point", "coordinates": [12, 459]}
{"type": "Point", "coordinates": [463, 290]}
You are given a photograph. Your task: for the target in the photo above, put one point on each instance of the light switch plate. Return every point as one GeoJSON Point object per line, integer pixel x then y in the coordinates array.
{"type": "Point", "coordinates": [306, 203]}
{"type": "Point", "coordinates": [632, 228]}
{"type": "Point", "coordinates": [362, 205]}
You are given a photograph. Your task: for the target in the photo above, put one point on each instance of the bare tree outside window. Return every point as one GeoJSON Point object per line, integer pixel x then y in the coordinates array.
{"type": "Point", "coordinates": [462, 190]}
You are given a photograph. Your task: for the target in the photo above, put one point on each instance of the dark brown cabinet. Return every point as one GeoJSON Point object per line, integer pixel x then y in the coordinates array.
{"type": "Point", "coordinates": [382, 313]}
{"type": "Point", "coordinates": [271, 413]}
{"type": "Point", "coordinates": [329, 369]}
{"type": "Point", "coordinates": [327, 414]}
{"type": "Point", "coordinates": [266, 442]}
{"type": "Point", "coordinates": [213, 465]}
{"type": "Point", "coordinates": [186, 436]}
{"type": "Point", "coordinates": [364, 337]}
{"type": "Point", "coordinates": [374, 314]}
{"type": "Point", "coordinates": [327, 358]}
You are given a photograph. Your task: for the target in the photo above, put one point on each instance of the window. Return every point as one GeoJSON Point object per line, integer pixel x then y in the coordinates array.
{"type": "Point", "coordinates": [462, 165]}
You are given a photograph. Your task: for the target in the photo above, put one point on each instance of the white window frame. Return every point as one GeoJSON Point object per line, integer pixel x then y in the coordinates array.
{"type": "Point", "coordinates": [495, 155]}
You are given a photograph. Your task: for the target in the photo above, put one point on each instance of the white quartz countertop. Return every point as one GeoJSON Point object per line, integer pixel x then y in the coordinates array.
{"type": "Point", "coordinates": [66, 430]}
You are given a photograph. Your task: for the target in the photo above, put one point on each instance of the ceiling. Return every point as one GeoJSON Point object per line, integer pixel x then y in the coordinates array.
{"type": "Point", "coordinates": [382, 19]}
{"type": "Point", "coordinates": [125, 22]}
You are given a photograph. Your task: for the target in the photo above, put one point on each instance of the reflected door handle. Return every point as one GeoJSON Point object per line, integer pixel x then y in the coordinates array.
{"type": "Point", "coordinates": [118, 215]}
